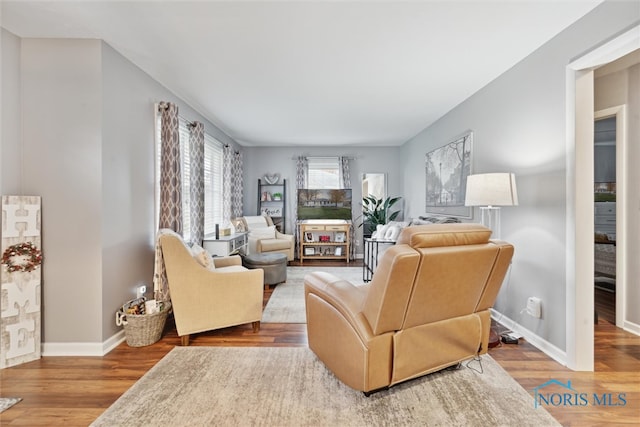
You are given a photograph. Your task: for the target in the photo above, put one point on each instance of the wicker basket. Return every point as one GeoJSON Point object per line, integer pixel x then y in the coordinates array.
{"type": "Point", "coordinates": [144, 329]}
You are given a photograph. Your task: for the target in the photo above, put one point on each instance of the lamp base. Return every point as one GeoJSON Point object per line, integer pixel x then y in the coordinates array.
{"type": "Point", "coordinates": [490, 218]}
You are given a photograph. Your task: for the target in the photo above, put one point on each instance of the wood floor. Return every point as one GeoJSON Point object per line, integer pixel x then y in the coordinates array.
{"type": "Point", "coordinates": [73, 391]}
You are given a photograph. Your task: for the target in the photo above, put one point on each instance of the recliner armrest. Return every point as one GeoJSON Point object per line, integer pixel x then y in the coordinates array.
{"type": "Point", "coordinates": [346, 297]}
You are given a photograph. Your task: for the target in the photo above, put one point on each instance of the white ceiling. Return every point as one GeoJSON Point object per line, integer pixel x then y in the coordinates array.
{"type": "Point", "coordinates": [273, 73]}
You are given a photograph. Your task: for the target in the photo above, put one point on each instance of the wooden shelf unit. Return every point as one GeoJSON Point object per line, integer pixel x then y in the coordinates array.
{"type": "Point", "coordinates": [269, 205]}
{"type": "Point", "coordinates": [321, 239]}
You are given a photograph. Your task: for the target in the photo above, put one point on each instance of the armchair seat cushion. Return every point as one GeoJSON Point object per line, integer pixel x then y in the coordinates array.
{"type": "Point", "coordinates": [231, 269]}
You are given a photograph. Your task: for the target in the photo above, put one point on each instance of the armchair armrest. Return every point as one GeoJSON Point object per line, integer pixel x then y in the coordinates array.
{"type": "Point", "coordinates": [289, 237]}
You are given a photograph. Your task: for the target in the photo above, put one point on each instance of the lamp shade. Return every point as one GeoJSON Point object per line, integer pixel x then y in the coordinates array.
{"type": "Point", "coordinates": [491, 189]}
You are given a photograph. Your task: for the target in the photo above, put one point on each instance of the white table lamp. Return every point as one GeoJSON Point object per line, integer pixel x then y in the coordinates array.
{"type": "Point", "coordinates": [490, 191]}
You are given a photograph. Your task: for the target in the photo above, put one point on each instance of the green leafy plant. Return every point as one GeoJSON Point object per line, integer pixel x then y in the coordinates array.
{"type": "Point", "coordinates": [376, 211]}
{"type": "Point", "coordinates": [277, 196]}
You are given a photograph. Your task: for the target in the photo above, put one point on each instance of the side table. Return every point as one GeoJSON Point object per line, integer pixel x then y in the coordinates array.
{"type": "Point", "coordinates": [370, 261]}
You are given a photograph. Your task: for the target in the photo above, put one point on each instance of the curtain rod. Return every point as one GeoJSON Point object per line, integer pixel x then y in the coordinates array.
{"type": "Point", "coordinates": [327, 157]}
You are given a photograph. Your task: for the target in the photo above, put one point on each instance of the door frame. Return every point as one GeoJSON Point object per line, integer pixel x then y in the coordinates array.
{"type": "Point", "coordinates": [579, 195]}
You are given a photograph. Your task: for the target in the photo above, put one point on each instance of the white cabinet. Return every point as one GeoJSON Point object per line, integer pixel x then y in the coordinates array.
{"type": "Point", "coordinates": [605, 219]}
{"type": "Point", "coordinates": [226, 245]}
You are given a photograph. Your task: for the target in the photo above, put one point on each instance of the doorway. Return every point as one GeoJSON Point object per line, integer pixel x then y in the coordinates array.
{"type": "Point", "coordinates": [604, 191]}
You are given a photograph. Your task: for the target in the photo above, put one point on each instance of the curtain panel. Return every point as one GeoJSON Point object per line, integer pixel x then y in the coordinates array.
{"type": "Point", "coordinates": [170, 169]}
{"type": "Point", "coordinates": [227, 173]}
{"type": "Point", "coordinates": [345, 172]}
{"type": "Point", "coordinates": [345, 175]}
{"type": "Point", "coordinates": [196, 184]}
{"type": "Point", "coordinates": [170, 215]}
{"type": "Point", "coordinates": [232, 192]}
{"type": "Point", "coordinates": [302, 169]}
{"type": "Point", "coordinates": [237, 185]}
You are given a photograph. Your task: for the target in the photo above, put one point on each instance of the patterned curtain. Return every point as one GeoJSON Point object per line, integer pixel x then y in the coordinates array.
{"type": "Point", "coordinates": [237, 185]}
{"type": "Point", "coordinates": [196, 184]}
{"type": "Point", "coordinates": [227, 183]}
{"type": "Point", "coordinates": [170, 216]}
{"type": "Point", "coordinates": [345, 175]}
{"type": "Point", "coordinates": [345, 172]}
{"type": "Point", "coordinates": [302, 169]}
{"type": "Point", "coordinates": [170, 171]}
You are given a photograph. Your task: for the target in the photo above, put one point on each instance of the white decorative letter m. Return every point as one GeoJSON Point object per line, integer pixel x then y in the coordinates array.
{"type": "Point", "coordinates": [17, 298]}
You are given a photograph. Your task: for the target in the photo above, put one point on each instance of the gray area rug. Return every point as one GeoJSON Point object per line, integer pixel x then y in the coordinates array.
{"type": "Point", "coordinates": [286, 304]}
{"type": "Point", "coordinates": [8, 402]}
{"type": "Point", "coordinates": [289, 386]}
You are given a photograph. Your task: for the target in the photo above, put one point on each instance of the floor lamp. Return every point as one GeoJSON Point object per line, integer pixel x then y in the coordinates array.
{"type": "Point", "coordinates": [490, 191]}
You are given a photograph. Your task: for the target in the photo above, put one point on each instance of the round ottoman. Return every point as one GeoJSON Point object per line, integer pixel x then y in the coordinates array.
{"type": "Point", "coordinates": [274, 266]}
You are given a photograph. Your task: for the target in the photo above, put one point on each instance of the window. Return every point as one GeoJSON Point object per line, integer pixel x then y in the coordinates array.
{"type": "Point", "coordinates": [212, 179]}
{"type": "Point", "coordinates": [323, 172]}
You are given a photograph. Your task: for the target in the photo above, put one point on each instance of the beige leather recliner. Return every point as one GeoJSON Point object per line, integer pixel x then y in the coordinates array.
{"type": "Point", "coordinates": [425, 309]}
{"type": "Point", "coordinates": [265, 238]}
{"type": "Point", "coordinates": [204, 299]}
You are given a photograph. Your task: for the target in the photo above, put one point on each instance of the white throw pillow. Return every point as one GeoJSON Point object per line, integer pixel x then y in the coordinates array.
{"type": "Point", "coordinates": [392, 233]}
{"type": "Point", "coordinates": [264, 232]}
{"type": "Point", "coordinates": [381, 231]}
{"type": "Point", "coordinates": [202, 256]}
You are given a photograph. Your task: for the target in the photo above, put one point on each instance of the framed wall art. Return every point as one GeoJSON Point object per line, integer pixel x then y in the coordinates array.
{"type": "Point", "coordinates": [447, 168]}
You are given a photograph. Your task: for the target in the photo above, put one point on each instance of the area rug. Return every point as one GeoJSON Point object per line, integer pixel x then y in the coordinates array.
{"type": "Point", "coordinates": [286, 304]}
{"type": "Point", "coordinates": [289, 386]}
{"type": "Point", "coordinates": [8, 402]}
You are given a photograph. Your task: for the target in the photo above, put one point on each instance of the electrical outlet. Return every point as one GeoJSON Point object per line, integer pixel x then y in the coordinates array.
{"type": "Point", "coordinates": [534, 307]}
{"type": "Point", "coordinates": [357, 242]}
{"type": "Point", "coordinates": [140, 291]}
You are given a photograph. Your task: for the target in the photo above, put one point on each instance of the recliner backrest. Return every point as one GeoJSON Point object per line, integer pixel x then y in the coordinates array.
{"type": "Point", "coordinates": [460, 271]}
{"type": "Point", "coordinates": [435, 272]}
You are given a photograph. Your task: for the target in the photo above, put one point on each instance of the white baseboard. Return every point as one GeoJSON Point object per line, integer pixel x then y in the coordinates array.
{"type": "Point", "coordinates": [631, 327]}
{"type": "Point", "coordinates": [537, 341]}
{"type": "Point", "coordinates": [83, 349]}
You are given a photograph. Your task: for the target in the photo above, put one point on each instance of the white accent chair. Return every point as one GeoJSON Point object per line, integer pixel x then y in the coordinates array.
{"type": "Point", "coordinates": [265, 238]}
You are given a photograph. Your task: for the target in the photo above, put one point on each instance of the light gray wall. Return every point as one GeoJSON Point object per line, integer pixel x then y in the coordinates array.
{"type": "Point", "coordinates": [88, 134]}
{"type": "Point", "coordinates": [10, 149]}
{"type": "Point", "coordinates": [259, 161]}
{"type": "Point", "coordinates": [61, 142]}
{"type": "Point", "coordinates": [519, 126]}
{"type": "Point", "coordinates": [623, 88]}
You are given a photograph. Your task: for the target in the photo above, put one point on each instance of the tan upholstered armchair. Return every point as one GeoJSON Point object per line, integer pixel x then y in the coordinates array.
{"type": "Point", "coordinates": [264, 237]}
{"type": "Point", "coordinates": [206, 297]}
{"type": "Point", "coordinates": [425, 309]}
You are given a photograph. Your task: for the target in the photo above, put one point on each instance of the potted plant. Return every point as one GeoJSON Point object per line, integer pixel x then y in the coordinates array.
{"type": "Point", "coordinates": [277, 196]}
{"type": "Point", "coordinates": [376, 211]}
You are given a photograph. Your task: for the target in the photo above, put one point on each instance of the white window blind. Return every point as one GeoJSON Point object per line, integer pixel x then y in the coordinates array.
{"type": "Point", "coordinates": [212, 183]}
{"type": "Point", "coordinates": [323, 172]}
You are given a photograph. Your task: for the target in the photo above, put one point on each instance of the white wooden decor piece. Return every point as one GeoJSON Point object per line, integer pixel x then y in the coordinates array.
{"type": "Point", "coordinates": [20, 276]}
